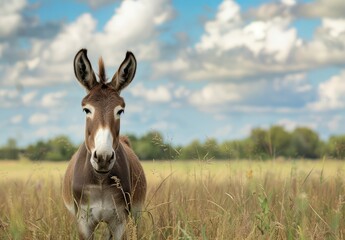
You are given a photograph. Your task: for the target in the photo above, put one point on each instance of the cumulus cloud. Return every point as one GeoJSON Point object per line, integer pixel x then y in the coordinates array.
{"type": "Point", "coordinates": [322, 8]}
{"type": "Point", "coordinates": [8, 97]}
{"type": "Point", "coordinates": [334, 27]}
{"type": "Point", "coordinates": [335, 123]}
{"type": "Point", "coordinates": [53, 99]}
{"type": "Point", "coordinates": [291, 125]}
{"type": "Point", "coordinates": [284, 8]}
{"type": "Point", "coordinates": [50, 61]}
{"type": "Point", "coordinates": [97, 3]}
{"type": "Point", "coordinates": [293, 82]}
{"type": "Point", "coordinates": [38, 118]}
{"type": "Point", "coordinates": [10, 16]}
{"type": "Point", "coordinates": [215, 94]}
{"type": "Point", "coordinates": [17, 22]}
{"type": "Point", "coordinates": [285, 94]}
{"type": "Point", "coordinates": [16, 119]}
{"type": "Point", "coordinates": [162, 126]}
{"type": "Point", "coordinates": [134, 26]}
{"type": "Point", "coordinates": [28, 97]}
{"type": "Point", "coordinates": [47, 132]}
{"type": "Point", "coordinates": [233, 48]}
{"type": "Point", "coordinates": [270, 37]}
{"type": "Point", "coordinates": [159, 94]}
{"type": "Point", "coordinates": [331, 94]}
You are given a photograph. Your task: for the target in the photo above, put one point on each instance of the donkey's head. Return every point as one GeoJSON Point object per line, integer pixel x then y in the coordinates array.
{"type": "Point", "coordinates": [103, 107]}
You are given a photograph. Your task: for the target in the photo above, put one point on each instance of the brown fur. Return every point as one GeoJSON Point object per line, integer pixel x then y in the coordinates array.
{"type": "Point", "coordinates": [126, 141]}
{"type": "Point", "coordinates": [101, 72]}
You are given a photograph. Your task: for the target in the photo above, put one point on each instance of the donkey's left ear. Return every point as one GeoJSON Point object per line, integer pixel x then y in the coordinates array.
{"type": "Point", "coordinates": [125, 74]}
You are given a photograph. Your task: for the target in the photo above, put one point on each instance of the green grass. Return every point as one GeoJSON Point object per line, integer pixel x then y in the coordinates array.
{"type": "Point", "coordinates": [192, 200]}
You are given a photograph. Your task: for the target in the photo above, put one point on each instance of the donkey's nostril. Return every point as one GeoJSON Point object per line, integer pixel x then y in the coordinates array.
{"type": "Point", "coordinates": [112, 156]}
{"type": "Point", "coordinates": [95, 155]}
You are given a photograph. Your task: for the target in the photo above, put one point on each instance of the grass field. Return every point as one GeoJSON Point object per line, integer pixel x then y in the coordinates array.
{"type": "Point", "coordinates": [192, 200]}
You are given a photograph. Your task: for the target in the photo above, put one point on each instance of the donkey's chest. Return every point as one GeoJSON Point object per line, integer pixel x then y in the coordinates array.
{"type": "Point", "coordinates": [102, 204]}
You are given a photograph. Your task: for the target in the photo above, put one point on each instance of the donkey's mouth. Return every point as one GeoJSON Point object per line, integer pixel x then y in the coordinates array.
{"type": "Point", "coordinates": [102, 171]}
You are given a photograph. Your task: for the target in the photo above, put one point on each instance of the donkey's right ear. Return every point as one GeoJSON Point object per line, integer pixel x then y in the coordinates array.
{"type": "Point", "coordinates": [83, 70]}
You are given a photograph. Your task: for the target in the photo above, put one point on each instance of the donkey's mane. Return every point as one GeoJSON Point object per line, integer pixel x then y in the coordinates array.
{"type": "Point", "coordinates": [101, 72]}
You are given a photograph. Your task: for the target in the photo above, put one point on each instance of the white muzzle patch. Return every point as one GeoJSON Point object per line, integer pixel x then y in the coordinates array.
{"type": "Point", "coordinates": [103, 150]}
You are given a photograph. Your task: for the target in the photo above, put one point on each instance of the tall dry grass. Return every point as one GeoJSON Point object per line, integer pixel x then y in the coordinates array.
{"type": "Point", "coordinates": [196, 200]}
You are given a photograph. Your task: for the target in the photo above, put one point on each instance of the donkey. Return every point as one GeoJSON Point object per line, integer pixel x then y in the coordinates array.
{"type": "Point", "coordinates": [104, 181]}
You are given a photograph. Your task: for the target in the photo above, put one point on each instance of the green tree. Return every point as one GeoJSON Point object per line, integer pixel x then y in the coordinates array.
{"type": "Point", "coordinates": [194, 150]}
{"type": "Point", "coordinates": [236, 149]}
{"type": "Point", "coordinates": [306, 143]}
{"type": "Point", "coordinates": [57, 149]}
{"type": "Point", "coordinates": [10, 150]}
{"type": "Point", "coordinates": [211, 149]}
{"type": "Point", "coordinates": [37, 151]}
{"type": "Point", "coordinates": [152, 146]}
{"type": "Point", "coordinates": [336, 147]}
{"type": "Point", "coordinates": [262, 145]}
{"type": "Point", "coordinates": [60, 148]}
{"type": "Point", "coordinates": [280, 142]}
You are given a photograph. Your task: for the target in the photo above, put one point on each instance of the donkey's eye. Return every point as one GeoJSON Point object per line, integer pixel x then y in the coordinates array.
{"type": "Point", "coordinates": [120, 112]}
{"type": "Point", "coordinates": [86, 110]}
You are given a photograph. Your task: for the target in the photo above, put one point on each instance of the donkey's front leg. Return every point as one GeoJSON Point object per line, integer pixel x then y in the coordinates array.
{"type": "Point", "coordinates": [86, 228]}
{"type": "Point", "coordinates": [117, 230]}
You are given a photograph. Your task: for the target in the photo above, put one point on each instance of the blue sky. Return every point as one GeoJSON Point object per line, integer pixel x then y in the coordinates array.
{"type": "Point", "coordinates": [205, 68]}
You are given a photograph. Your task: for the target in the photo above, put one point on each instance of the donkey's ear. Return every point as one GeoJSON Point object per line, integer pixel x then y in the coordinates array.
{"type": "Point", "coordinates": [83, 70]}
{"type": "Point", "coordinates": [125, 73]}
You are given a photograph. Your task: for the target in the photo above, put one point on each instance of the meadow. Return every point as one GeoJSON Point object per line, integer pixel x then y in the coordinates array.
{"type": "Point", "coordinates": [191, 200]}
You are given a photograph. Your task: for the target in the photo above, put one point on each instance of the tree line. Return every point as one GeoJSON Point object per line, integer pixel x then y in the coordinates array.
{"type": "Point", "coordinates": [262, 144]}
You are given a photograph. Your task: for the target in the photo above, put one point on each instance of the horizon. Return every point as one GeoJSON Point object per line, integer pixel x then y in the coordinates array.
{"type": "Point", "coordinates": [216, 69]}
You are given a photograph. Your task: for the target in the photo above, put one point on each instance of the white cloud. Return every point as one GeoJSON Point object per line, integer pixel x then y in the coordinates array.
{"type": "Point", "coordinates": [97, 3]}
{"type": "Point", "coordinates": [53, 130]}
{"type": "Point", "coordinates": [335, 27]}
{"type": "Point", "coordinates": [220, 30]}
{"type": "Point", "coordinates": [236, 46]}
{"type": "Point", "coordinates": [291, 125]}
{"type": "Point", "coordinates": [289, 2]}
{"type": "Point", "coordinates": [224, 131]}
{"type": "Point", "coordinates": [228, 31]}
{"type": "Point", "coordinates": [8, 97]}
{"type": "Point", "coordinates": [16, 119]}
{"type": "Point", "coordinates": [71, 37]}
{"type": "Point", "coordinates": [245, 130]}
{"type": "Point", "coordinates": [335, 122]}
{"type": "Point", "coordinates": [286, 94]}
{"type": "Point", "coordinates": [177, 65]}
{"type": "Point", "coordinates": [213, 95]}
{"type": "Point", "coordinates": [38, 118]}
{"type": "Point", "coordinates": [322, 8]}
{"type": "Point", "coordinates": [28, 97]}
{"type": "Point", "coordinates": [162, 126]}
{"type": "Point", "coordinates": [49, 61]}
{"type": "Point", "coordinates": [295, 82]}
{"type": "Point", "coordinates": [10, 16]}
{"type": "Point", "coordinates": [232, 47]}
{"type": "Point", "coordinates": [159, 94]}
{"type": "Point", "coordinates": [331, 94]}
{"type": "Point", "coordinates": [134, 26]}
{"type": "Point", "coordinates": [181, 92]}
{"type": "Point", "coordinates": [53, 99]}
{"type": "Point", "coordinates": [11, 94]}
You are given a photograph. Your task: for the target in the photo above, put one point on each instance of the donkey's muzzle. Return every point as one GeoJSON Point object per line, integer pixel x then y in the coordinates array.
{"type": "Point", "coordinates": [103, 162]}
